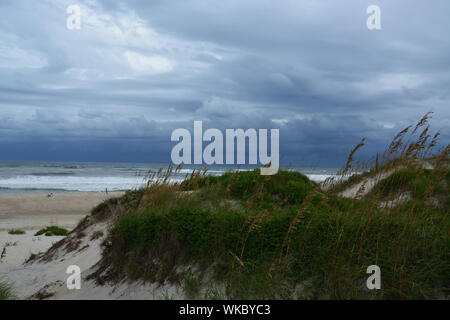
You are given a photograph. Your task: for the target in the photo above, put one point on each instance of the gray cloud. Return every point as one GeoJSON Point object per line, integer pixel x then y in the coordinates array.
{"type": "Point", "coordinates": [139, 69]}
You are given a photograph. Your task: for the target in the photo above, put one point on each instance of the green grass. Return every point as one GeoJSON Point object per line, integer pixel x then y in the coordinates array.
{"type": "Point", "coordinates": [16, 232]}
{"type": "Point", "coordinates": [330, 246]}
{"type": "Point", "coordinates": [6, 291]}
{"type": "Point", "coordinates": [420, 182]}
{"type": "Point", "coordinates": [52, 231]}
{"type": "Point", "coordinates": [288, 186]}
{"type": "Point", "coordinates": [282, 237]}
{"type": "Point", "coordinates": [191, 284]}
{"type": "Point", "coordinates": [264, 252]}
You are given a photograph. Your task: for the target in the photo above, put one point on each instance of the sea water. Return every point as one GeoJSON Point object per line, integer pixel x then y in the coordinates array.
{"type": "Point", "coordinates": [40, 177]}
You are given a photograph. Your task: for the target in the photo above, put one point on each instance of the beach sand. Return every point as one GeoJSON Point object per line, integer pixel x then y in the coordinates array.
{"type": "Point", "coordinates": [35, 211]}
{"type": "Point", "coordinates": [31, 212]}
{"type": "Point", "coordinates": [47, 279]}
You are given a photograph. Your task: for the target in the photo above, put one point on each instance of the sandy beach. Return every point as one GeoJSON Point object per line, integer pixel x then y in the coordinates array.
{"type": "Point", "coordinates": [34, 211]}
{"type": "Point", "coordinates": [31, 212]}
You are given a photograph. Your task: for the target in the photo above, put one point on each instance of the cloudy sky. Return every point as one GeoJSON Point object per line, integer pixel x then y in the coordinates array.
{"type": "Point", "coordinates": [116, 88]}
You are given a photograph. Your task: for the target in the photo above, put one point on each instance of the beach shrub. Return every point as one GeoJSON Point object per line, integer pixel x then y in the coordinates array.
{"type": "Point", "coordinates": [289, 186]}
{"type": "Point", "coordinates": [16, 232]}
{"type": "Point", "coordinates": [52, 231]}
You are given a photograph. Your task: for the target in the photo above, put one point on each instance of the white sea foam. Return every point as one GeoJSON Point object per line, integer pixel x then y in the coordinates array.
{"type": "Point", "coordinates": [319, 177]}
{"type": "Point", "coordinates": [72, 183]}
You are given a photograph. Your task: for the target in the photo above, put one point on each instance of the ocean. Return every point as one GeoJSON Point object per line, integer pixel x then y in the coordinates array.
{"type": "Point", "coordinates": [44, 177]}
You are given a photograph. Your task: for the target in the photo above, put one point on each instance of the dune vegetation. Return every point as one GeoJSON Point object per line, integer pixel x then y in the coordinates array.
{"type": "Point", "coordinates": [52, 231]}
{"type": "Point", "coordinates": [247, 236]}
{"type": "Point", "coordinates": [16, 232]}
{"type": "Point", "coordinates": [6, 291]}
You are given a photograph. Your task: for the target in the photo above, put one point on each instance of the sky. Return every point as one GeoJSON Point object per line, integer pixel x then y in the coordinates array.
{"type": "Point", "coordinates": [116, 88]}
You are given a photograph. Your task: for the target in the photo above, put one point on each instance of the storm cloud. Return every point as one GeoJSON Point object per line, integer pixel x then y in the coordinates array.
{"type": "Point", "coordinates": [136, 70]}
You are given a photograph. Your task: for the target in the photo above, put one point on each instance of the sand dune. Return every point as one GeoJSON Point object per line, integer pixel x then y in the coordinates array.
{"type": "Point", "coordinates": [45, 276]}
{"type": "Point", "coordinates": [31, 212]}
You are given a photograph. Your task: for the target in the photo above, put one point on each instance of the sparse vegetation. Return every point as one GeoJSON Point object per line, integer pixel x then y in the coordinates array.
{"type": "Point", "coordinates": [52, 231]}
{"type": "Point", "coordinates": [16, 232]}
{"type": "Point", "coordinates": [6, 291]}
{"type": "Point", "coordinates": [191, 284]}
{"type": "Point", "coordinates": [284, 236]}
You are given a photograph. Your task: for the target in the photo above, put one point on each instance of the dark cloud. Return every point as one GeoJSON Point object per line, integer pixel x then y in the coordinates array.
{"type": "Point", "coordinates": [114, 90]}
